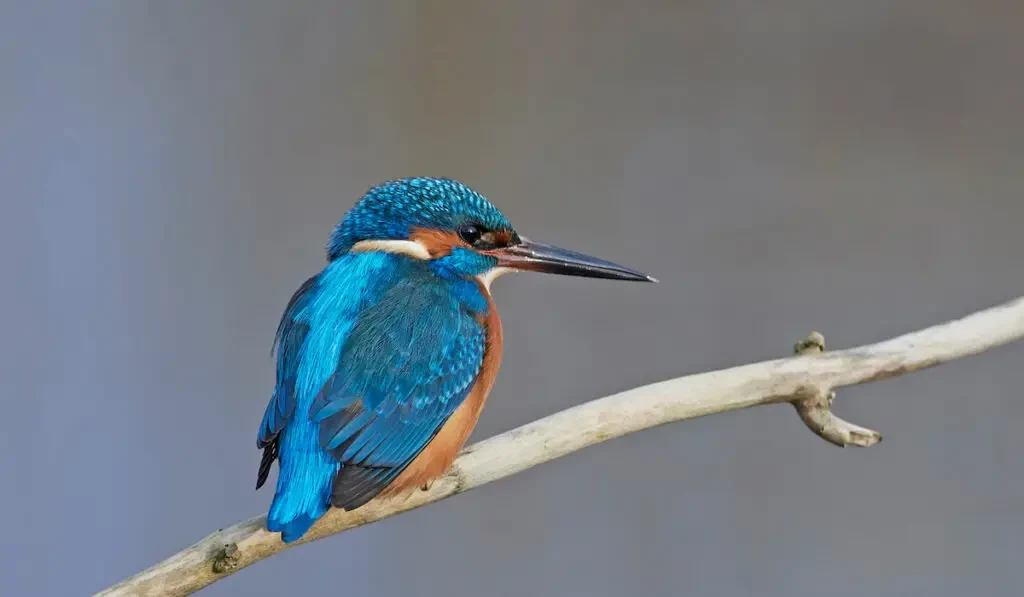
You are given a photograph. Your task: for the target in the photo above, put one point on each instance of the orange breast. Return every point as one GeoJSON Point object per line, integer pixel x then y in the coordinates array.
{"type": "Point", "coordinates": [439, 454]}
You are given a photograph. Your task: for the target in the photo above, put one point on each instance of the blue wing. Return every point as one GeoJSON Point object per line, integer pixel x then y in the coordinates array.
{"type": "Point", "coordinates": [287, 342]}
{"type": "Point", "coordinates": [410, 361]}
{"type": "Point", "coordinates": [313, 329]}
{"type": "Point", "coordinates": [374, 354]}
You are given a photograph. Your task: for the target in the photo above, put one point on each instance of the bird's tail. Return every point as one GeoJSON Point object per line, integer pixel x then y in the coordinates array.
{"type": "Point", "coordinates": [294, 528]}
{"type": "Point", "coordinates": [303, 492]}
{"type": "Point", "coordinates": [295, 508]}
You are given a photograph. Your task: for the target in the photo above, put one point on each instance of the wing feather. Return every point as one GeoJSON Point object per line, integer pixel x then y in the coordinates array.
{"type": "Point", "coordinates": [410, 361]}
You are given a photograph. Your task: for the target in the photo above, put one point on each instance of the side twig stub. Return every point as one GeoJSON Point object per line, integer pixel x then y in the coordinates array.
{"type": "Point", "coordinates": [814, 405]}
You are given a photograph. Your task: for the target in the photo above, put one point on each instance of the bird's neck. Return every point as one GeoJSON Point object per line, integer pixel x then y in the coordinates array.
{"type": "Point", "coordinates": [468, 281]}
{"type": "Point", "coordinates": [471, 294]}
{"type": "Point", "coordinates": [473, 291]}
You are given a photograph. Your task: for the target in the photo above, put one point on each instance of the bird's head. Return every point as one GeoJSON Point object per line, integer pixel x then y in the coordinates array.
{"type": "Point", "coordinates": [458, 230]}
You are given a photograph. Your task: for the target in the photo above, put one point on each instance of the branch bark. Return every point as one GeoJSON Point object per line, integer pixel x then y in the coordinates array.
{"type": "Point", "coordinates": [806, 380]}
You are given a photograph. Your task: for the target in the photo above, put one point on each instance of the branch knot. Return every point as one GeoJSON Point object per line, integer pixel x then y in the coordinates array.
{"type": "Point", "coordinates": [226, 559]}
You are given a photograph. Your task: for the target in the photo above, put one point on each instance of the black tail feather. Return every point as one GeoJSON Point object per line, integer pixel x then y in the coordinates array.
{"type": "Point", "coordinates": [269, 456]}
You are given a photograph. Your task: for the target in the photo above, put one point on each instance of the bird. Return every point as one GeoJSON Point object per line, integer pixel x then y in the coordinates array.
{"type": "Point", "coordinates": [385, 358]}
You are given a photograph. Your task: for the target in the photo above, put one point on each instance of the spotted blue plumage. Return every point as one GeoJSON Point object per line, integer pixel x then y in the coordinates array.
{"type": "Point", "coordinates": [392, 209]}
{"type": "Point", "coordinates": [374, 354]}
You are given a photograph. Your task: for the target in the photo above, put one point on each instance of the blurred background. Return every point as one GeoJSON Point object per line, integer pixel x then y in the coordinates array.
{"type": "Point", "coordinates": [170, 171]}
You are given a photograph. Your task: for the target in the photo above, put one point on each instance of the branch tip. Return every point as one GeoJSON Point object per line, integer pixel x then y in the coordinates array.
{"type": "Point", "coordinates": [814, 411]}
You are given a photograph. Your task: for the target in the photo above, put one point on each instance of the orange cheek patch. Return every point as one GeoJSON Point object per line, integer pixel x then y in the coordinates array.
{"type": "Point", "coordinates": [437, 242]}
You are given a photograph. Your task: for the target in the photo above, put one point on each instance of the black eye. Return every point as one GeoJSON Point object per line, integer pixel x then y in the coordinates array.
{"type": "Point", "coordinates": [470, 233]}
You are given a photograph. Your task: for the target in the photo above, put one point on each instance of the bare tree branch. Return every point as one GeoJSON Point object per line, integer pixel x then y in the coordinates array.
{"type": "Point", "coordinates": [806, 380]}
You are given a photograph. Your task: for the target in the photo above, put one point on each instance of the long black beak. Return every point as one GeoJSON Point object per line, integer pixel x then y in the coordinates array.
{"type": "Point", "coordinates": [531, 256]}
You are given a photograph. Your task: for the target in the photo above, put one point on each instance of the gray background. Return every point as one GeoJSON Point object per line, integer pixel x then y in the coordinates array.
{"type": "Point", "coordinates": [170, 172]}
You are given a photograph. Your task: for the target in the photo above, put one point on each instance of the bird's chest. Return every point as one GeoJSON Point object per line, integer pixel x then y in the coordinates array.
{"type": "Point", "coordinates": [440, 453]}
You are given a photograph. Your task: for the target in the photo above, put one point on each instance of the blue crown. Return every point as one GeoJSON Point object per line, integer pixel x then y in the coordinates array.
{"type": "Point", "coordinates": [390, 211]}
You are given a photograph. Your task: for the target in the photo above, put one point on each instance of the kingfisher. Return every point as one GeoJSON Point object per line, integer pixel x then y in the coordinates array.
{"type": "Point", "coordinates": [386, 356]}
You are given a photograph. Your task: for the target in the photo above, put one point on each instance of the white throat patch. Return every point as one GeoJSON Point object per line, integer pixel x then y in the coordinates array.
{"type": "Point", "coordinates": [411, 248]}
{"type": "Point", "coordinates": [490, 275]}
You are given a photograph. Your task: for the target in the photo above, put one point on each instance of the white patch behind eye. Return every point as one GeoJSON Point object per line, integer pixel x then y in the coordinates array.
{"type": "Point", "coordinates": [412, 248]}
{"type": "Point", "coordinates": [490, 275]}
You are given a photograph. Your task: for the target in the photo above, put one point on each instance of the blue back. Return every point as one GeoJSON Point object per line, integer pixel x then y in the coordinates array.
{"type": "Point", "coordinates": [374, 354]}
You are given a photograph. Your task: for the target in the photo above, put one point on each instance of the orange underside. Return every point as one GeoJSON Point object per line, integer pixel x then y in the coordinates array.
{"type": "Point", "coordinates": [439, 454]}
